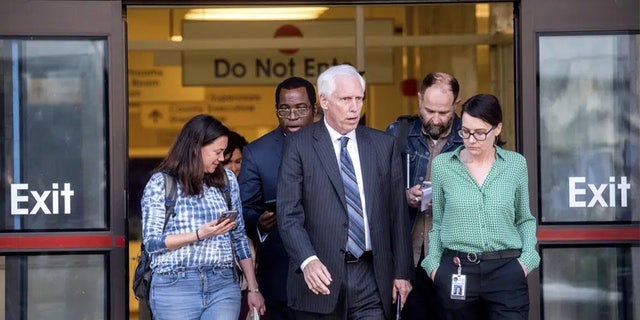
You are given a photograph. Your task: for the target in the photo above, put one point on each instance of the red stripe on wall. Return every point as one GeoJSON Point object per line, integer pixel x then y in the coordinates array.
{"type": "Point", "coordinates": [61, 242]}
{"type": "Point", "coordinates": [590, 234]}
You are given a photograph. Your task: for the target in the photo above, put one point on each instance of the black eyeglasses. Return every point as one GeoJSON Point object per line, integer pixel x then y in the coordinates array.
{"type": "Point", "coordinates": [479, 136]}
{"type": "Point", "coordinates": [300, 110]}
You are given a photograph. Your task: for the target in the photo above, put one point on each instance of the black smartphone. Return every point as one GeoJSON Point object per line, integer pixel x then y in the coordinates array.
{"type": "Point", "coordinates": [270, 205]}
{"type": "Point", "coordinates": [230, 214]}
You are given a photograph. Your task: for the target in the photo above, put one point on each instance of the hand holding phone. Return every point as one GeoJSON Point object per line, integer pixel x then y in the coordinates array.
{"type": "Point", "coordinates": [228, 215]}
{"type": "Point", "coordinates": [267, 221]}
{"type": "Point", "coordinates": [270, 205]}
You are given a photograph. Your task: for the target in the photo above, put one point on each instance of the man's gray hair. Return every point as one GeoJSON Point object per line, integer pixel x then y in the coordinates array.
{"type": "Point", "coordinates": [327, 79]}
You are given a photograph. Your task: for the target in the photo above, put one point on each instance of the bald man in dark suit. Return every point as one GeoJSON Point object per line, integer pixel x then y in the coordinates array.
{"type": "Point", "coordinates": [342, 211]}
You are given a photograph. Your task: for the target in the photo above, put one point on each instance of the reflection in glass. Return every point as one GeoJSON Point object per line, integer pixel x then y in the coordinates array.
{"type": "Point", "coordinates": [589, 128]}
{"type": "Point", "coordinates": [53, 287]}
{"type": "Point", "coordinates": [590, 283]}
{"type": "Point", "coordinates": [54, 151]}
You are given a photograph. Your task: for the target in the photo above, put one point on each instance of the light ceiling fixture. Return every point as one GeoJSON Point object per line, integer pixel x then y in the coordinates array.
{"type": "Point", "coordinates": [482, 10]}
{"type": "Point", "coordinates": [255, 13]}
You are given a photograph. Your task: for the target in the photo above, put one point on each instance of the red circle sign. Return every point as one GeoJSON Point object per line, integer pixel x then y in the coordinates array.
{"type": "Point", "coordinates": [288, 30]}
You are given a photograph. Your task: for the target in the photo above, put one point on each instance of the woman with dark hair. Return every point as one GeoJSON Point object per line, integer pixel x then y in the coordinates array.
{"type": "Point", "coordinates": [193, 259]}
{"type": "Point", "coordinates": [233, 152]}
{"type": "Point", "coordinates": [483, 236]}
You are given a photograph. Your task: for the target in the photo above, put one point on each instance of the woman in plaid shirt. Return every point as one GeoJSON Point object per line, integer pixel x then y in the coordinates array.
{"type": "Point", "coordinates": [193, 260]}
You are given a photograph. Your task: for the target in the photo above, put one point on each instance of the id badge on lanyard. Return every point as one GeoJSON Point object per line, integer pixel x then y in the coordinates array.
{"type": "Point", "coordinates": [458, 282]}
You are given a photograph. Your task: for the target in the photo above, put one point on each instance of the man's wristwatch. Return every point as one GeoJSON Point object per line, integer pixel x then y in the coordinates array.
{"type": "Point", "coordinates": [255, 290]}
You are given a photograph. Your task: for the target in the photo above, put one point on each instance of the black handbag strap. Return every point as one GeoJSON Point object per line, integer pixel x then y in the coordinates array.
{"type": "Point", "coordinates": [403, 131]}
{"type": "Point", "coordinates": [170, 193]}
{"type": "Point", "coordinates": [226, 191]}
{"type": "Point", "coordinates": [403, 122]}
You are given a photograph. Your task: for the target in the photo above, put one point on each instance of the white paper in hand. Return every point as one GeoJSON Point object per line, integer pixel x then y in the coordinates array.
{"type": "Point", "coordinates": [253, 315]}
{"type": "Point", "coordinates": [426, 195]}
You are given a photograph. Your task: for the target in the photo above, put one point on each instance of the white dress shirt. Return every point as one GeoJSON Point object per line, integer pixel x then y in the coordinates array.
{"type": "Point", "coordinates": [352, 148]}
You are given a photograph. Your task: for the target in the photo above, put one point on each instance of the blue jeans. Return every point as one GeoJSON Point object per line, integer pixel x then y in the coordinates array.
{"type": "Point", "coordinates": [204, 293]}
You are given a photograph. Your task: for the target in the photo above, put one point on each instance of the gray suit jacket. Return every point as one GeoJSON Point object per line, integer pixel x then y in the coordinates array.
{"type": "Point", "coordinates": [312, 214]}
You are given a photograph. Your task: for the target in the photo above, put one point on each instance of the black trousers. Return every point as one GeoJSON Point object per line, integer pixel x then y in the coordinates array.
{"type": "Point", "coordinates": [277, 310]}
{"type": "Point", "coordinates": [422, 303]}
{"type": "Point", "coordinates": [495, 289]}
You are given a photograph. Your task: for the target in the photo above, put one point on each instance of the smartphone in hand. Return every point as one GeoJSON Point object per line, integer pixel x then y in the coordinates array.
{"type": "Point", "coordinates": [230, 214]}
{"type": "Point", "coordinates": [270, 205]}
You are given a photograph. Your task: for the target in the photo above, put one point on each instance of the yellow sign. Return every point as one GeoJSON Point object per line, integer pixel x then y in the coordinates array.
{"type": "Point", "coordinates": [168, 116]}
{"type": "Point", "coordinates": [234, 106]}
{"type": "Point", "coordinates": [148, 82]}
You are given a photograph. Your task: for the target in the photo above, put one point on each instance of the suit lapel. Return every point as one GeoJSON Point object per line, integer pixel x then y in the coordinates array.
{"type": "Point", "coordinates": [278, 147]}
{"type": "Point", "coordinates": [278, 140]}
{"type": "Point", "coordinates": [367, 165]}
{"type": "Point", "coordinates": [323, 147]}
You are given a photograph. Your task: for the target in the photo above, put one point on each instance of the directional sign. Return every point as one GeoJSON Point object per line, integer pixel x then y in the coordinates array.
{"type": "Point", "coordinates": [234, 106]}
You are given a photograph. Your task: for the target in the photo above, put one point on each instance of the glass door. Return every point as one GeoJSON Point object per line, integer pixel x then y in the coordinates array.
{"type": "Point", "coordinates": [581, 131]}
{"type": "Point", "coordinates": [62, 159]}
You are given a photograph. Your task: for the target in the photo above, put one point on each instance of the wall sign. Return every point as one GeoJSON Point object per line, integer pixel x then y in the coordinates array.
{"type": "Point", "coordinates": [25, 201]}
{"type": "Point", "coordinates": [149, 82]}
{"type": "Point", "coordinates": [603, 195]}
{"type": "Point", "coordinates": [271, 66]}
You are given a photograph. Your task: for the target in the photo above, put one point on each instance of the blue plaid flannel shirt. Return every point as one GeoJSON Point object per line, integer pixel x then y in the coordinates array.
{"type": "Point", "coordinates": [191, 212]}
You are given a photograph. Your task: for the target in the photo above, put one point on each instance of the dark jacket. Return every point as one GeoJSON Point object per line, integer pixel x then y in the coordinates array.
{"type": "Point", "coordinates": [258, 182]}
{"type": "Point", "coordinates": [416, 148]}
{"type": "Point", "coordinates": [312, 213]}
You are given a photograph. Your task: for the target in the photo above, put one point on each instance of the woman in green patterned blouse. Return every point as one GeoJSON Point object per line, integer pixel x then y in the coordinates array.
{"type": "Point", "coordinates": [484, 236]}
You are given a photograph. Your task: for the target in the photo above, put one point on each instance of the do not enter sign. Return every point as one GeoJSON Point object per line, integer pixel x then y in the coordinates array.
{"type": "Point", "coordinates": [288, 31]}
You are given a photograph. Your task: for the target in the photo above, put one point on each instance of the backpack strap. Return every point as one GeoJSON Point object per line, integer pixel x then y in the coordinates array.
{"type": "Point", "coordinates": [170, 193]}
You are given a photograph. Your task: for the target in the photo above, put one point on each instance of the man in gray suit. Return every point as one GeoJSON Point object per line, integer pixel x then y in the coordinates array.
{"type": "Point", "coordinates": [342, 211]}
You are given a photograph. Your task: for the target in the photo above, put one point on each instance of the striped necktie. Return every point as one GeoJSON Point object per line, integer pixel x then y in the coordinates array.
{"type": "Point", "coordinates": [356, 240]}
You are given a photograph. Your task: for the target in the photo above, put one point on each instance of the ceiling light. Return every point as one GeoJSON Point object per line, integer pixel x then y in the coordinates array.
{"type": "Point", "coordinates": [264, 13]}
{"type": "Point", "coordinates": [482, 10]}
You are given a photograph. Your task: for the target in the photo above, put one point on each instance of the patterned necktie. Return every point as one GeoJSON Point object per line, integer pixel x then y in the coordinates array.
{"type": "Point", "coordinates": [356, 241]}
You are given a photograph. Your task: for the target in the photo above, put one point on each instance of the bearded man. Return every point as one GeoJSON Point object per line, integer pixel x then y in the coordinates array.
{"type": "Point", "coordinates": [435, 131]}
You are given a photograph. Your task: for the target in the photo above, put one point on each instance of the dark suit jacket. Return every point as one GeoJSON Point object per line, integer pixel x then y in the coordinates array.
{"type": "Point", "coordinates": [312, 214]}
{"type": "Point", "coordinates": [258, 181]}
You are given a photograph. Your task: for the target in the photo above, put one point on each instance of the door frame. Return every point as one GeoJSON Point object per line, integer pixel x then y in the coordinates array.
{"type": "Point", "coordinates": [531, 17]}
{"type": "Point", "coordinates": [24, 18]}
{"type": "Point", "coordinates": [545, 16]}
